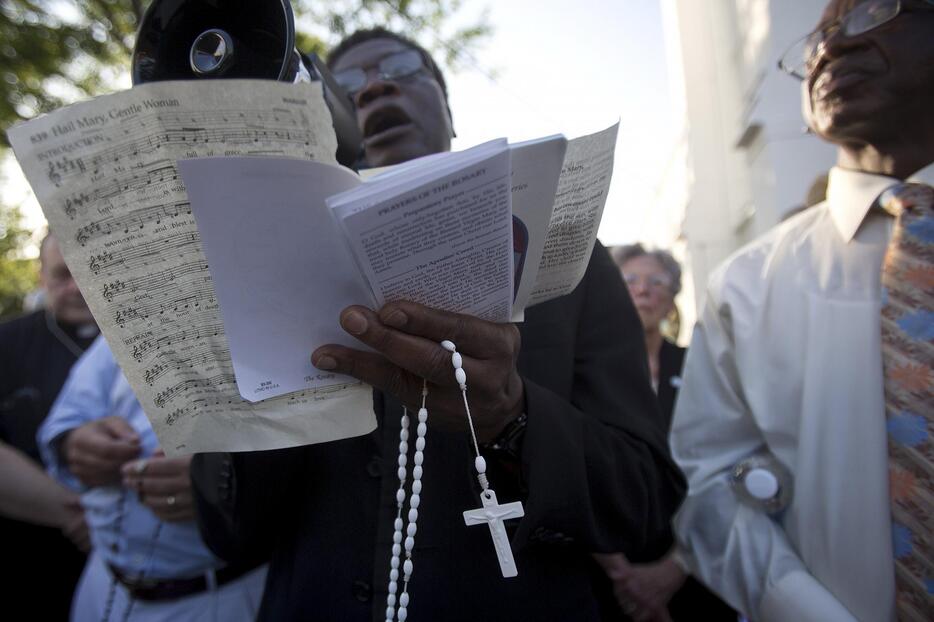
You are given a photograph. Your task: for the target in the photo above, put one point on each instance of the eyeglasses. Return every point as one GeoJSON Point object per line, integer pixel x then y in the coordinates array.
{"type": "Point", "coordinates": [392, 67]}
{"type": "Point", "coordinates": [862, 18]}
{"type": "Point", "coordinates": [654, 282]}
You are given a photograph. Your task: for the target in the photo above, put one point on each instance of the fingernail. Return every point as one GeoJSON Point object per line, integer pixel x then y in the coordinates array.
{"type": "Point", "coordinates": [326, 363]}
{"type": "Point", "coordinates": [396, 318]}
{"type": "Point", "coordinates": [354, 323]}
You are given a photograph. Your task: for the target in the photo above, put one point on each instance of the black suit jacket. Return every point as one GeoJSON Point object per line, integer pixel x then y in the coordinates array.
{"type": "Point", "coordinates": [670, 363]}
{"type": "Point", "coordinates": [594, 474]}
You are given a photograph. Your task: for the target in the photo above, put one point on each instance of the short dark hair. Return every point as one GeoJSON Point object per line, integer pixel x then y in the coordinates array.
{"type": "Point", "coordinates": [622, 254]}
{"type": "Point", "coordinates": [378, 32]}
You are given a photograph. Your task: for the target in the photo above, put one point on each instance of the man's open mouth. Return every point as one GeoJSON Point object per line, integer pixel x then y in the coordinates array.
{"type": "Point", "coordinates": [385, 124]}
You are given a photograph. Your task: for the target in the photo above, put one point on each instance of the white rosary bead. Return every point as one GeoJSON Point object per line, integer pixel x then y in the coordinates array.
{"type": "Point", "coordinates": [405, 422]}
{"type": "Point", "coordinates": [420, 443]}
{"type": "Point", "coordinates": [461, 376]}
{"type": "Point", "coordinates": [407, 567]}
{"type": "Point", "coordinates": [448, 345]}
{"type": "Point", "coordinates": [422, 418]}
{"type": "Point", "coordinates": [409, 544]}
{"type": "Point", "coordinates": [390, 612]}
{"type": "Point", "coordinates": [402, 614]}
{"type": "Point", "coordinates": [480, 464]}
{"type": "Point", "coordinates": [393, 587]}
{"type": "Point", "coordinates": [397, 524]}
{"type": "Point", "coordinates": [391, 600]}
{"type": "Point", "coordinates": [394, 574]}
{"type": "Point", "coordinates": [419, 458]}
{"type": "Point", "coordinates": [413, 515]}
{"type": "Point", "coordinates": [397, 536]}
{"type": "Point", "coordinates": [400, 496]}
{"type": "Point", "coordinates": [422, 428]}
{"type": "Point", "coordinates": [457, 360]}
{"type": "Point", "coordinates": [416, 488]}
{"type": "Point", "coordinates": [411, 529]}
{"type": "Point", "coordinates": [401, 473]}
{"type": "Point", "coordinates": [403, 460]}
{"type": "Point", "coordinates": [417, 473]}
{"type": "Point", "coordinates": [404, 434]}
{"type": "Point", "coordinates": [403, 447]}
{"type": "Point", "coordinates": [394, 563]}
{"type": "Point", "coordinates": [416, 498]}
{"type": "Point", "coordinates": [397, 549]}
{"type": "Point", "coordinates": [404, 599]}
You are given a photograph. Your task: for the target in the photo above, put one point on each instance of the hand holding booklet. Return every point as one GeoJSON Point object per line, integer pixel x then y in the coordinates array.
{"type": "Point", "coordinates": [291, 243]}
{"type": "Point", "coordinates": [213, 293]}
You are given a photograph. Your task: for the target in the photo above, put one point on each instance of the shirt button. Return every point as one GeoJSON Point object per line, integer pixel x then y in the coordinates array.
{"type": "Point", "coordinates": [372, 467]}
{"type": "Point", "coordinates": [362, 591]}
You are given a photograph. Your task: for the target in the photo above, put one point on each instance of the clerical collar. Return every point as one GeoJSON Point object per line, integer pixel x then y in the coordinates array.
{"type": "Point", "coordinates": [851, 194]}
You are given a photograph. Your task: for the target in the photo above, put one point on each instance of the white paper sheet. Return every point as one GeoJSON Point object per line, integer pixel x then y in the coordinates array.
{"type": "Point", "coordinates": [281, 268]}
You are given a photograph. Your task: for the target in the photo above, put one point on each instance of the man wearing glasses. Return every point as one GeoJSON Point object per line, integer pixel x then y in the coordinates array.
{"type": "Point", "coordinates": [566, 423]}
{"type": "Point", "coordinates": [805, 418]}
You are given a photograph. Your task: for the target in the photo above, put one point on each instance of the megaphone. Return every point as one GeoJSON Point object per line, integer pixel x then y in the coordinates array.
{"type": "Point", "coordinates": [216, 39]}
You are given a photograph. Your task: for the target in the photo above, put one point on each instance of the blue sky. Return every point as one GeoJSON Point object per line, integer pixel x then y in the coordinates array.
{"type": "Point", "coordinates": [574, 68]}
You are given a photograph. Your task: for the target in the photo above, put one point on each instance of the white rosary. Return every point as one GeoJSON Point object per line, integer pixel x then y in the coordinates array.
{"type": "Point", "coordinates": [491, 513]}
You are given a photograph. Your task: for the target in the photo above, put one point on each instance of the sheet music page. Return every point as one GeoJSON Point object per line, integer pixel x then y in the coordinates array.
{"type": "Point", "coordinates": [578, 208]}
{"type": "Point", "coordinates": [104, 172]}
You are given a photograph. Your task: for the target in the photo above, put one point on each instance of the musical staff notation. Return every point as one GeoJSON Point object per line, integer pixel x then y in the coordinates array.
{"type": "Point", "coordinates": [124, 223]}
{"type": "Point", "coordinates": [223, 127]}
{"type": "Point", "coordinates": [145, 347]}
{"type": "Point", "coordinates": [167, 395]}
{"type": "Point", "coordinates": [181, 361]}
{"type": "Point", "coordinates": [154, 282]}
{"type": "Point", "coordinates": [145, 309]}
{"type": "Point", "coordinates": [145, 254]}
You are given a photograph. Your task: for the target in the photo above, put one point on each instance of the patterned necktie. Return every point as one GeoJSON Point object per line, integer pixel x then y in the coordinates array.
{"type": "Point", "coordinates": [908, 357]}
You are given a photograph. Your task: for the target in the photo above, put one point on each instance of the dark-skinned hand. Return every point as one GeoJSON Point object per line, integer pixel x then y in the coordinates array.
{"type": "Point", "coordinates": [95, 451]}
{"type": "Point", "coordinates": [406, 337]}
{"type": "Point", "coordinates": [163, 485]}
{"type": "Point", "coordinates": [643, 590]}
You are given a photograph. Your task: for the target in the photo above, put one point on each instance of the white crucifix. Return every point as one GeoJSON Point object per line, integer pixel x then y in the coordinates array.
{"type": "Point", "coordinates": [493, 515]}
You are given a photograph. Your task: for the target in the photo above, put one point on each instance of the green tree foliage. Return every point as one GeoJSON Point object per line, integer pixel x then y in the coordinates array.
{"type": "Point", "coordinates": [18, 276]}
{"type": "Point", "coordinates": [54, 52]}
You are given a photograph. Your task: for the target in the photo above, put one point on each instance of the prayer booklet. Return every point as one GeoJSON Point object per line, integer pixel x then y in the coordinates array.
{"type": "Point", "coordinates": [463, 231]}
{"type": "Point", "coordinates": [213, 293]}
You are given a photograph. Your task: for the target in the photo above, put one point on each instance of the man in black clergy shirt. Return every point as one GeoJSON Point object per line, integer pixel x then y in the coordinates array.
{"type": "Point", "coordinates": [36, 514]}
{"type": "Point", "coordinates": [566, 421]}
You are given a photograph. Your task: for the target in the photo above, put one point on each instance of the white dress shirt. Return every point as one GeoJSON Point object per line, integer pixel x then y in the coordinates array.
{"type": "Point", "coordinates": [786, 358]}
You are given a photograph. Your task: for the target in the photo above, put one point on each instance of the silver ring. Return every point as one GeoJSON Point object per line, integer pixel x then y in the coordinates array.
{"type": "Point", "coordinates": [170, 500]}
{"type": "Point", "coordinates": [140, 466]}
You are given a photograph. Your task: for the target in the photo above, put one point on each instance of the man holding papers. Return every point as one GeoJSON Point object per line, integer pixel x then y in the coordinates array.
{"type": "Point", "coordinates": [558, 428]}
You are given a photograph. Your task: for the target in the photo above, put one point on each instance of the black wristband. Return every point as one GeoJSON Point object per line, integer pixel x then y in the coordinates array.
{"type": "Point", "coordinates": [509, 440]}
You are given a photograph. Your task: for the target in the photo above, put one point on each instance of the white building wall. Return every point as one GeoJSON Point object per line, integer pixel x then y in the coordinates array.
{"type": "Point", "coordinates": [748, 156]}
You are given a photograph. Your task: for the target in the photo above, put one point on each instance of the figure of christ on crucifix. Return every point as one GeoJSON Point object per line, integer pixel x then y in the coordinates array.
{"type": "Point", "coordinates": [493, 515]}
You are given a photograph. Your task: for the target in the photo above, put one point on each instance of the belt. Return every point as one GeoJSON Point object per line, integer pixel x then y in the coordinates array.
{"type": "Point", "coordinates": [171, 589]}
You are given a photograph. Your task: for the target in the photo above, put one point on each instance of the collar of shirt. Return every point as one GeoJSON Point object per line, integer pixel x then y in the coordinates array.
{"type": "Point", "coordinates": [850, 194]}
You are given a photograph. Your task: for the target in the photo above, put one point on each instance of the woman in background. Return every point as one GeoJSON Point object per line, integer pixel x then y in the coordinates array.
{"type": "Point", "coordinates": [661, 591]}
